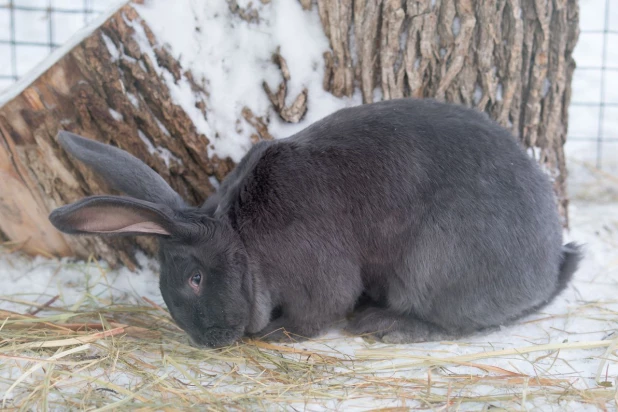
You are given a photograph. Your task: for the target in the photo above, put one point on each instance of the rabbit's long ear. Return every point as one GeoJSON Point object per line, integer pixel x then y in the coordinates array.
{"type": "Point", "coordinates": [116, 216]}
{"type": "Point", "coordinates": [123, 171]}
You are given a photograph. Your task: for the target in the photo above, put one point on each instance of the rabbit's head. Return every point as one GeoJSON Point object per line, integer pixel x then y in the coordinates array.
{"type": "Point", "coordinates": [204, 276]}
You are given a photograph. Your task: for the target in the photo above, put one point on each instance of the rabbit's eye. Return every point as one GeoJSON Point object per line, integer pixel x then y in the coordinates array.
{"type": "Point", "coordinates": [196, 279]}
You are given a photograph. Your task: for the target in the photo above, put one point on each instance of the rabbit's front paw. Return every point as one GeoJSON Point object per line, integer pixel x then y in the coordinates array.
{"type": "Point", "coordinates": [282, 330]}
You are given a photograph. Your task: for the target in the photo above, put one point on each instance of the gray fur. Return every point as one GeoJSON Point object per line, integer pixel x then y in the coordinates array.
{"type": "Point", "coordinates": [111, 163]}
{"type": "Point", "coordinates": [430, 214]}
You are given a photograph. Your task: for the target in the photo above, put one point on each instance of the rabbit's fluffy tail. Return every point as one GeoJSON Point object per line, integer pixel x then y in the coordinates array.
{"type": "Point", "coordinates": [571, 256]}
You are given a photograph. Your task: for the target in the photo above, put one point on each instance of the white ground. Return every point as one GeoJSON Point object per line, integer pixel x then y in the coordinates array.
{"type": "Point", "coordinates": [585, 312]}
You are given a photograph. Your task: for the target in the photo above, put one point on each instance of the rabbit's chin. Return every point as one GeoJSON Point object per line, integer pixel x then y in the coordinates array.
{"type": "Point", "coordinates": [216, 337]}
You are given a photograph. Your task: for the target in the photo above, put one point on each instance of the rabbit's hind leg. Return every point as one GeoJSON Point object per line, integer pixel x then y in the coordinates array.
{"type": "Point", "coordinates": [391, 327]}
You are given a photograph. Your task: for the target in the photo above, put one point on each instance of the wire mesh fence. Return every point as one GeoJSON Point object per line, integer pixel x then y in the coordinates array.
{"type": "Point", "coordinates": [30, 29]}
{"type": "Point", "coordinates": [594, 107]}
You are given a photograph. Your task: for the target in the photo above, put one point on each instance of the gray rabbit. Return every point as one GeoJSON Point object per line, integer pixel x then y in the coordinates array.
{"type": "Point", "coordinates": [419, 220]}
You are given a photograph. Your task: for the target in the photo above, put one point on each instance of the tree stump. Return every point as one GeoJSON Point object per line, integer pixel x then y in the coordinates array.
{"type": "Point", "coordinates": [510, 58]}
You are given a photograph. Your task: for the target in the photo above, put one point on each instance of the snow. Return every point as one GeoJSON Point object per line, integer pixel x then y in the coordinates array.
{"type": "Point", "coordinates": [162, 152]}
{"type": "Point", "coordinates": [133, 99]}
{"type": "Point", "coordinates": [456, 26]}
{"type": "Point", "coordinates": [478, 93]}
{"type": "Point", "coordinates": [24, 278]}
{"type": "Point", "coordinates": [545, 87]}
{"type": "Point", "coordinates": [162, 127]}
{"type": "Point", "coordinates": [111, 47]}
{"type": "Point", "coordinates": [235, 57]}
{"type": "Point", "coordinates": [115, 115]}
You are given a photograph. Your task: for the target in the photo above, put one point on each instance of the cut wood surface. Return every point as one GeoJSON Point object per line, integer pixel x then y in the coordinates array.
{"type": "Point", "coordinates": [511, 59]}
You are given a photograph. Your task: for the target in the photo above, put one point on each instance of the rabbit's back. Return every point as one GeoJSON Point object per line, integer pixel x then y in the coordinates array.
{"type": "Point", "coordinates": [387, 159]}
{"type": "Point", "coordinates": [437, 204]}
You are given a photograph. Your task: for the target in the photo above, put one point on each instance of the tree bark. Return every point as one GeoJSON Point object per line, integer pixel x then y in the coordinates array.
{"type": "Point", "coordinates": [510, 58]}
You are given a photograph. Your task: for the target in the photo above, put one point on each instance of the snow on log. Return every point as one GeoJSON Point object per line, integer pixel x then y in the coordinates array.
{"type": "Point", "coordinates": [189, 88]}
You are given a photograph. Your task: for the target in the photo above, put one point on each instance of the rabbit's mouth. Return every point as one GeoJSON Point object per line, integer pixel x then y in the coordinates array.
{"type": "Point", "coordinates": [216, 337]}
